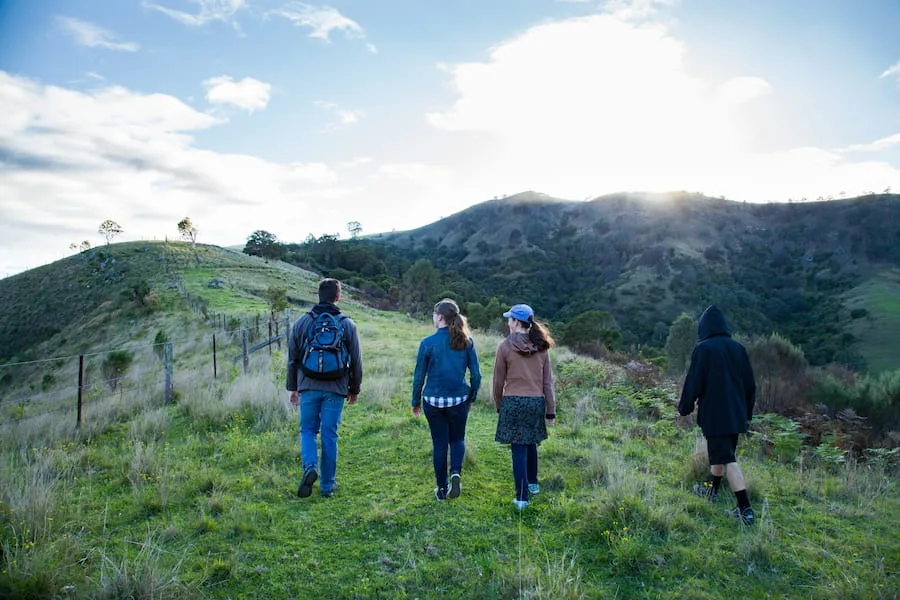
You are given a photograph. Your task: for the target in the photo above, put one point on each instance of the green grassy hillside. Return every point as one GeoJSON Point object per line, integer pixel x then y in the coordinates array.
{"type": "Point", "coordinates": [878, 328]}
{"type": "Point", "coordinates": [56, 308]}
{"type": "Point", "coordinates": [197, 498]}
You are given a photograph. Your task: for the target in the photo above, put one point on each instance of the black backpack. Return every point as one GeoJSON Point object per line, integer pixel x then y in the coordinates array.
{"type": "Point", "coordinates": [324, 355]}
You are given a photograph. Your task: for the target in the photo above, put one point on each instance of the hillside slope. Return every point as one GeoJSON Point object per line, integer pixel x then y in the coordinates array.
{"type": "Point", "coordinates": [56, 308]}
{"type": "Point", "coordinates": [648, 257]}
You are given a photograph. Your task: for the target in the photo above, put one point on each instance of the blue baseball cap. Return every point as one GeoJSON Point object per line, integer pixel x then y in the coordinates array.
{"type": "Point", "coordinates": [521, 312]}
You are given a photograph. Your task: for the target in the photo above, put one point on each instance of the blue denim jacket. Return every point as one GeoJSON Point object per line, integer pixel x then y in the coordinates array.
{"type": "Point", "coordinates": [442, 370]}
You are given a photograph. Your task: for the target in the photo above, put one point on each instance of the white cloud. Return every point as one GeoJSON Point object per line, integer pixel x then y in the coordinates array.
{"type": "Point", "coordinates": [598, 104]}
{"type": "Point", "coordinates": [892, 71]}
{"type": "Point", "coordinates": [371, 48]}
{"type": "Point", "coordinates": [635, 10]}
{"type": "Point", "coordinates": [321, 20]}
{"type": "Point", "coordinates": [876, 146]}
{"type": "Point", "coordinates": [345, 117]}
{"type": "Point", "coordinates": [742, 89]}
{"type": "Point", "coordinates": [356, 162]}
{"type": "Point", "coordinates": [70, 159]}
{"type": "Point", "coordinates": [93, 36]}
{"type": "Point", "coordinates": [430, 176]}
{"type": "Point", "coordinates": [248, 94]}
{"type": "Point", "coordinates": [209, 10]}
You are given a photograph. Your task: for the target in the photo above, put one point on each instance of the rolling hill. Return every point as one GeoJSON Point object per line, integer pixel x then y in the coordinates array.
{"type": "Point", "coordinates": [796, 268]}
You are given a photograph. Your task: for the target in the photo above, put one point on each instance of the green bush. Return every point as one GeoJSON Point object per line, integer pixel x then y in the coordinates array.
{"type": "Point", "coordinates": [877, 398]}
{"type": "Point", "coordinates": [780, 369]}
{"type": "Point", "coordinates": [116, 366]}
{"type": "Point", "coordinates": [159, 343]}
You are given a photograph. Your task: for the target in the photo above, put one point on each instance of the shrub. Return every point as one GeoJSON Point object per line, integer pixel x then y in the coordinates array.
{"type": "Point", "coordinates": [159, 343]}
{"type": "Point", "coordinates": [781, 378]}
{"type": "Point", "coordinates": [116, 366]}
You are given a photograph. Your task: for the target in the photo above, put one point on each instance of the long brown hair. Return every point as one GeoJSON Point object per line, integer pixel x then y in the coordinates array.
{"type": "Point", "coordinates": [456, 323]}
{"type": "Point", "coordinates": [538, 333]}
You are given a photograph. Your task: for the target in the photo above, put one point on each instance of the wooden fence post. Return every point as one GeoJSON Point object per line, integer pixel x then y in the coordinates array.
{"type": "Point", "coordinates": [245, 356]}
{"type": "Point", "coordinates": [270, 338]}
{"type": "Point", "coordinates": [167, 365]}
{"type": "Point", "coordinates": [80, 389]}
{"type": "Point", "coordinates": [215, 369]}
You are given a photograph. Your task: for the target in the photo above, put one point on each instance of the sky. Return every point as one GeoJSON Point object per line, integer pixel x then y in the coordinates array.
{"type": "Point", "coordinates": [297, 118]}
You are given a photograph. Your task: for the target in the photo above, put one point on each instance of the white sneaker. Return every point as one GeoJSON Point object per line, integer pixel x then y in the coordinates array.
{"type": "Point", "coordinates": [534, 489]}
{"type": "Point", "coordinates": [520, 504]}
{"type": "Point", "coordinates": [455, 486]}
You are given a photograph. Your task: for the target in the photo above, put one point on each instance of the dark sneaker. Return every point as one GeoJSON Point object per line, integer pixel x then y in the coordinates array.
{"type": "Point", "coordinates": [455, 486]}
{"type": "Point", "coordinates": [704, 490]}
{"type": "Point", "coordinates": [309, 478]}
{"type": "Point", "coordinates": [440, 494]}
{"type": "Point", "coordinates": [329, 493]}
{"type": "Point", "coordinates": [746, 515]}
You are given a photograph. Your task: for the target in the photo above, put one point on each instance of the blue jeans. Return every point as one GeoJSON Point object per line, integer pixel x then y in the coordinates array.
{"type": "Point", "coordinates": [525, 467]}
{"type": "Point", "coordinates": [448, 428]}
{"type": "Point", "coordinates": [320, 411]}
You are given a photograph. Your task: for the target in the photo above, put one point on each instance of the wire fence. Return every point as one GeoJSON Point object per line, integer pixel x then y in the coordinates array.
{"type": "Point", "coordinates": [72, 383]}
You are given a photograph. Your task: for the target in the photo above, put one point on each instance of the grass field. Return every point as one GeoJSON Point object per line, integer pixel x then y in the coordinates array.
{"type": "Point", "coordinates": [198, 500]}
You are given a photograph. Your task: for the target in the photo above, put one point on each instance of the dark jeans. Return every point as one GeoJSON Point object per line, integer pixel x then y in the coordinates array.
{"type": "Point", "coordinates": [525, 467]}
{"type": "Point", "coordinates": [448, 428]}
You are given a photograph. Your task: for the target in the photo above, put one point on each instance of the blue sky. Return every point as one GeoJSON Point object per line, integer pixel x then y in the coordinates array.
{"type": "Point", "coordinates": [298, 117]}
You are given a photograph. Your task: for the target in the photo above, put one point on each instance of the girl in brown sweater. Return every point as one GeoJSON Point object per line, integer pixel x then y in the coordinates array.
{"type": "Point", "coordinates": [523, 395]}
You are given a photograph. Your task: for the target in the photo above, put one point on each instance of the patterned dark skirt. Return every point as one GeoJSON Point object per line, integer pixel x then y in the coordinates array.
{"type": "Point", "coordinates": [522, 420]}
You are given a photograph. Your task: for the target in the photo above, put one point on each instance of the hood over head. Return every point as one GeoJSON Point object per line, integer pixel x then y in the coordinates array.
{"type": "Point", "coordinates": [712, 323]}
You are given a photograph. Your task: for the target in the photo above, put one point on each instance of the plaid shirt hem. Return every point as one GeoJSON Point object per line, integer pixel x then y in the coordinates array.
{"type": "Point", "coordinates": [441, 402]}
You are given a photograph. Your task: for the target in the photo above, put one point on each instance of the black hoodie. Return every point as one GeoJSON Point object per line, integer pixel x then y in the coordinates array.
{"type": "Point", "coordinates": [720, 379]}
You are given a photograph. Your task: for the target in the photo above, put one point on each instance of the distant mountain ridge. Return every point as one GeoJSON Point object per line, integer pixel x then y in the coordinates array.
{"type": "Point", "coordinates": [788, 267]}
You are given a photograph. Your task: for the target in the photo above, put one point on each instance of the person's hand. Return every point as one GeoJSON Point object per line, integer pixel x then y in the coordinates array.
{"type": "Point", "coordinates": [416, 411]}
{"type": "Point", "coordinates": [295, 398]}
{"type": "Point", "coordinates": [351, 399]}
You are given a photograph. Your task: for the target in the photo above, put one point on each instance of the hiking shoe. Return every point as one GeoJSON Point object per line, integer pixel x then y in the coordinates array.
{"type": "Point", "coordinates": [329, 493]}
{"type": "Point", "coordinates": [520, 504]}
{"type": "Point", "coordinates": [309, 478]}
{"type": "Point", "coordinates": [534, 489]}
{"type": "Point", "coordinates": [455, 487]}
{"type": "Point", "coordinates": [704, 490]}
{"type": "Point", "coordinates": [746, 515]}
{"type": "Point", "coordinates": [440, 494]}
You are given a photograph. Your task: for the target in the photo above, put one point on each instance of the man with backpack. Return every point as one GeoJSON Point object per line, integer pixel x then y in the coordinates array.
{"type": "Point", "coordinates": [324, 368]}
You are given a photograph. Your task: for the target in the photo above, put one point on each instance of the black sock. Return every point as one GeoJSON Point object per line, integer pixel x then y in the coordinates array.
{"type": "Point", "coordinates": [742, 499]}
{"type": "Point", "coordinates": [716, 483]}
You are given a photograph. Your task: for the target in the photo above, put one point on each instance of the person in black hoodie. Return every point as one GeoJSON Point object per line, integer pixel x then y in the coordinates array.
{"type": "Point", "coordinates": [321, 401]}
{"type": "Point", "coordinates": [720, 380]}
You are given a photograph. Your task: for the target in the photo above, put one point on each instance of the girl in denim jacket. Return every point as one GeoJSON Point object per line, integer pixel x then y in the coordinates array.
{"type": "Point", "coordinates": [439, 380]}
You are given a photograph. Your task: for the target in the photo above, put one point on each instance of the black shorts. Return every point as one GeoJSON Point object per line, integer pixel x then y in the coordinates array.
{"type": "Point", "coordinates": [721, 449]}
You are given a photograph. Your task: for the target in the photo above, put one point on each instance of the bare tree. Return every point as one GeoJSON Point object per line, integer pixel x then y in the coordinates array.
{"type": "Point", "coordinates": [355, 228]}
{"type": "Point", "coordinates": [188, 231]}
{"type": "Point", "coordinates": [109, 229]}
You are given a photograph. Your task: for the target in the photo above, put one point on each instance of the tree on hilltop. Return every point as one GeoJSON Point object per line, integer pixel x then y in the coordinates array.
{"type": "Point", "coordinates": [265, 244]}
{"type": "Point", "coordinates": [355, 228]}
{"type": "Point", "coordinates": [109, 229]}
{"type": "Point", "coordinates": [188, 231]}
